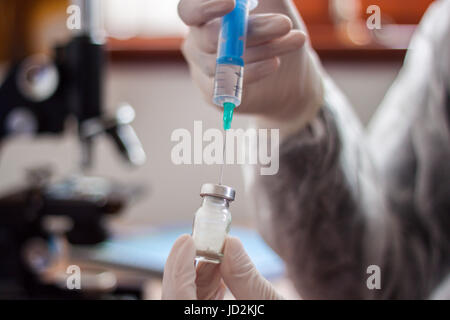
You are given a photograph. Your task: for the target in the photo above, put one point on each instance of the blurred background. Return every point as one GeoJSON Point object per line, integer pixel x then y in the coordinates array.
{"type": "Point", "coordinates": [146, 69]}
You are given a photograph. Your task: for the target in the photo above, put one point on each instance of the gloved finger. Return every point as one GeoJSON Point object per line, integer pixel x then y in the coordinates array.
{"type": "Point", "coordinates": [198, 12]}
{"type": "Point", "coordinates": [208, 281]}
{"type": "Point", "coordinates": [259, 70]}
{"type": "Point", "coordinates": [220, 294]}
{"type": "Point", "coordinates": [241, 276]}
{"type": "Point", "coordinates": [204, 82]}
{"type": "Point", "coordinates": [206, 37]}
{"type": "Point", "coordinates": [206, 62]}
{"type": "Point", "coordinates": [291, 42]}
{"type": "Point", "coordinates": [267, 27]}
{"type": "Point", "coordinates": [261, 28]}
{"type": "Point", "coordinates": [179, 271]}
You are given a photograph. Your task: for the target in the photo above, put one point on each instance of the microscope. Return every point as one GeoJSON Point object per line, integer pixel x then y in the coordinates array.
{"type": "Point", "coordinates": [38, 96]}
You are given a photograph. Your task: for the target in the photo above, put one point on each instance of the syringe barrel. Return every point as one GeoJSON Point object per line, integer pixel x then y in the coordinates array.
{"type": "Point", "coordinates": [230, 54]}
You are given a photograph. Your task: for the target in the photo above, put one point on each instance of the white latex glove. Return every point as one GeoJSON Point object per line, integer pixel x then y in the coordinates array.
{"type": "Point", "coordinates": [282, 76]}
{"type": "Point", "coordinates": [240, 275]}
{"type": "Point", "coordinates": [183, 281]}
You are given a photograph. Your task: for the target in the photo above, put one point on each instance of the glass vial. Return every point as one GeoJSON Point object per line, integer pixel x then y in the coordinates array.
{"type": "Point", "coordinates": [212, 222]}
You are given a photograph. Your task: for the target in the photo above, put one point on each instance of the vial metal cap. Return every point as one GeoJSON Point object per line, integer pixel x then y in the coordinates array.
{"type": "Point", "coordinates": [218, 190]}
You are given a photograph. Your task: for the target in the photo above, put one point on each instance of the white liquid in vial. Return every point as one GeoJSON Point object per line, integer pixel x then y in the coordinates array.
{"type": "Point", "coordinates": [211, 226]}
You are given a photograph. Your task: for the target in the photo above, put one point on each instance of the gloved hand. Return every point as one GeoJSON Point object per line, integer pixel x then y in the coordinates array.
{"type": "Point", "coordinates": [207, 282]}
{"type": "Point", "coordinates": [282, 76]}
{"type": "Point", "coordinates": [183, 281]}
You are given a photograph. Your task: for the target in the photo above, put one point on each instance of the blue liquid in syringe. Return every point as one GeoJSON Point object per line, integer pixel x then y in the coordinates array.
{"type": "Point", "coordinates": [233, 35]}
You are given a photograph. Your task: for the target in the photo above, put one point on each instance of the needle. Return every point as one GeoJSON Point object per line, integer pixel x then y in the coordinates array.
{"type": "Point", "coordinates": [223, 164]}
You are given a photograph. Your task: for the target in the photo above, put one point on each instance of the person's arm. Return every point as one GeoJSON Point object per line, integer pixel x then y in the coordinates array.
{"type": "Point", "coordinates": [410, 142]}
{"type": "Point", "coordinates": [343, 201]}
{"type": "Point", "coordinates": [313, 211]}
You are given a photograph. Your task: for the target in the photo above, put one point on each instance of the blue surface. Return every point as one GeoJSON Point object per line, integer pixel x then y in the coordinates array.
{"type": "Point", "coordinates": [151, 250]}
{"type": "Point", "coordinates": [233, 35]}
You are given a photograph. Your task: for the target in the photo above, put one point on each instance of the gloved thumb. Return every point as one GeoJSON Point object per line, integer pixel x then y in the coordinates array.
{"type": "Point", "coordinates": [179, 272]}
{"type": "Point", "coordinates": [240, 275]}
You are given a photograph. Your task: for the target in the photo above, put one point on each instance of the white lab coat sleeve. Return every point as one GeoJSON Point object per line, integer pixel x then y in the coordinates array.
{"type": "Point", "coordinates": [409, 139]}
{"type": "Point", "coordinates": [313, 212]}
{"type": "Point", "coordinates": [344, 200]}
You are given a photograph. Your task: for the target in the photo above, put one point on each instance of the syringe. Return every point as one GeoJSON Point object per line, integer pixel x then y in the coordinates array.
{"type": "Point", "coordinates": [230, 63]}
